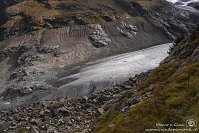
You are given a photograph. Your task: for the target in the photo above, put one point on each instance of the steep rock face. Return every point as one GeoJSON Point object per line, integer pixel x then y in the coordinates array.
{"type": "Point", "coordinates": [194, 5]}
{"type": "Point", "coordinates": [173, 24]}
{"type": "Point", "coordinates": [186, 49]}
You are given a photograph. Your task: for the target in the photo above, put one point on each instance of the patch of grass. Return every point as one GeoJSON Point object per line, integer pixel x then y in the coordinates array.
{"type": "Point", "coordinates": [175, 102]}
{"type": "Point", "coordinates": [34, 8]}
{"type": "Point", "coordinates": [22, 129]}
{"type": "Point", "coordinates": [160, 74]}
{"type": "Point", "coordinates": [175, 96]}
{"type": "Point", "coordinates": [11, 22]}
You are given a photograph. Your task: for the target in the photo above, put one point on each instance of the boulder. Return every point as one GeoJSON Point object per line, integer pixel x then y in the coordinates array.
{"type": "Point", "coordinates": [64, 111]}
{"type": "Point", "coordinates": [127, 30]}
{"type": "Point", "coordinates": [98, 37]}
{"type": "Point", "coordinates": [101, 111]}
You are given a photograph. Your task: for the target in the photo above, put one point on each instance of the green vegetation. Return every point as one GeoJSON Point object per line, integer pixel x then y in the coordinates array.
{"type": "Point", "coordinates": [36, 9]}
{"type": "Point", "coordinates": [175, 96]}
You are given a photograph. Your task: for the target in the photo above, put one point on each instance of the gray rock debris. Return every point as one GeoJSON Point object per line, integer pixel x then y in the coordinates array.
{"type": "Point", "coordinates": [45, 49]}
{"type": "Point", "coordinates": [99, 37]}
{"type": "Point", "coordinates": [3, 55]}
{"type": "Point", "coordinates": [72, 115]}
{"type": "Point", "coordinates": [23, 89]}
{"type": "Point", "coordinates": [101, 111]}
{"type": "Point", "coordinates": [127, 30]}
{"type": "Point", "coordinates": [27, 59]}
{"type": "Point", "coordinates": [18, 74]}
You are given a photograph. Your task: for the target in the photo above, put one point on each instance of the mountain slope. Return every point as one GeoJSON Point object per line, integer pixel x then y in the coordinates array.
{"type": "Point", "coordinates": [175, 95]}
{"type": "Point", "coordinates": [30, 15]}
{"type": "Point", "coordinates": [43, 39]}
{"type": "Point", "coordinates": [166, 95]}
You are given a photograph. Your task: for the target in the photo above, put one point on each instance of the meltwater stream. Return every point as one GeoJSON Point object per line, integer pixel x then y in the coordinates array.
{"type": "Point", "coordinates": [104, 73]}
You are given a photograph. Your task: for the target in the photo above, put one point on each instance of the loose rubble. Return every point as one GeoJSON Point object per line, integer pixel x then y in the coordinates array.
{"type": "Point", "coordinates": [22, 89]}
{"type": "Point", "coordinates": [127, 30]}
{"type": "Point", "coordinates": [64, 115]}
{"type": "Point", "coordinates": [98, 37]}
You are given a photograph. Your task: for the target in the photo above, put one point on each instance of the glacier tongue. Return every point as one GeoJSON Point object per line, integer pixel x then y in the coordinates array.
{"type": "Point", "coordinates": [109, 71]}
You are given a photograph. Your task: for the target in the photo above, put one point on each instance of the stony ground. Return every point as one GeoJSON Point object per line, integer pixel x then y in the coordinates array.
{"type": "Point", "coordinates": [72, 115]}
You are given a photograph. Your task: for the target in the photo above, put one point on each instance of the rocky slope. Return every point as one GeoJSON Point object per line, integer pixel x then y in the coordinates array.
{"type": "Point", "coordinates": [70, 115]}
{"type": "Point", "coordinates": [29, 15]}
{"type": "Point", "coordinates": [174, 87]}
{"type": "Point", "coordinates": [41, 39]}
{"type": "Point", "coordinates": [191, 5]}
{"type": "Point", "coordinates": [168, 94]}
{"type": "Point", "coordinates": [194, 5]}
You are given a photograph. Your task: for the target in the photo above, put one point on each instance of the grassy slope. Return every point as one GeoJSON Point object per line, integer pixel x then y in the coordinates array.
{"type": "Point", "coordinates": [175, 100]}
